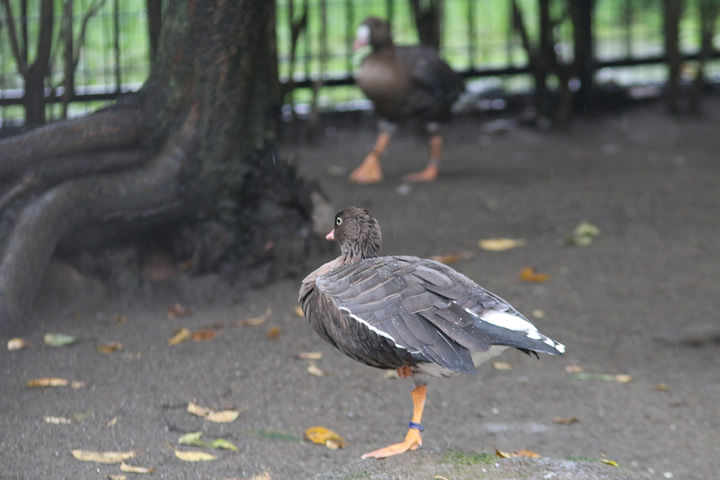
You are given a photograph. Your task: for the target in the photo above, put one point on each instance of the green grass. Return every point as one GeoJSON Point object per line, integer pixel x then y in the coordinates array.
{"type": "Point", "coordinates": [458, 458]}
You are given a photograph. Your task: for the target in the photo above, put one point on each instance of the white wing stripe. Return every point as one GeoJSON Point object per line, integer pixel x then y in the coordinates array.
{"type": "Point", "coordinates": [372, 327]}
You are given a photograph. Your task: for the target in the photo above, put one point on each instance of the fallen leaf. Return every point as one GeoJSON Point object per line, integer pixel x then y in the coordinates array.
{"type": "Point", "coordinates": [16, 343]}
{"type": "Point", "coordinates": [584, 234]}
{"type": "Point", "coordinates": [608, 377]}
{"type": "Point", "coordinates": [574, 369]}
{"type": "Point", "coordinates": [502, 366]}
{"type": "Point", "coordinates": [313, 369]}
{"type": "Point", "coordinates": [223, 444]}
{"type": "Point", "coordinates": [537, 313]}
{"type": "Point", "coordinates": [77, 384]}
{"type": "Point", "coordinates": [102, 457]}
{"type": "Point", "coordinates": [194, 456]}
{"type": "Point", "coordinates": [310, 355]}
{"type": "Point", "coordinates": [192, 438]}
{"type": "Point", "coordinates": [501, 244]}
{"type": "Point", "coordinates": [179, 336]}
{"type": "Point", "coordinates": [196, 409]}
{"type": "Point", "coordinates": [446, 259]}
{"type": "Point", "coordinates": [501, 454]}
{"type": "Point", "coordinates": [273, 333]}
{"type": "Point", "coordinates": [120, 318]}
{"type": "Point", "coordinates": [112, 422]}
{"type": "Point", "coordinates": [612, 463]}
{"type": "Point", "coordinates": [261, 476]}
{"type": "Point", "coordinates": [110, 347]}
{"type": "Point", "coordinates": [178, 310]}
{"type": "Point", "coordinates": [57, 420]}
{"type": "Point", "coordinates": [48, 382]}
{"type": "Point", "coordinates": [623, 378]}
{"type": "Point", "coordinates": [565, 420]}
{"type": "Point", "coordinates": [528, 274]}
{"type": "Point", "coordinates": [527, 453]}
{"type": "Point", "coordinates": [662, 387]}
{"type": "Point", "coordinates": [324, 436]}
{"type": "Point", "coordinates": [133, 469]}
{"type": "Point", "coordinates": [223, 416]}
{"type": "Point", "coordinates": [298, 311]}
{"type": "Point", "coordinates": [201, 335]}
{"type": "Point", "coordinates": [59, 339]}
{"type": "Point", "coordinates": [254, 321]}
{"type": "Point", "coordinates": [116, 477]}
{"type": "Point", "coordinates": [80, 416]}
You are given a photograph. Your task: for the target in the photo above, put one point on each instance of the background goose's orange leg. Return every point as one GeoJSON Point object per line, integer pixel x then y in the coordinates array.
{"type": "Point", "coordinates": [431, 171]}
{"type": "Point", "coordinates": [413, 439]}
{"type": "Point", "coordinates": [370, 170]}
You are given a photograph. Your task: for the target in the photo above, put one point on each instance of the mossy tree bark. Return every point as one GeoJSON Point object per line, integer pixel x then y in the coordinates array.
{"type": "Point", "coordinates": [194, 143]}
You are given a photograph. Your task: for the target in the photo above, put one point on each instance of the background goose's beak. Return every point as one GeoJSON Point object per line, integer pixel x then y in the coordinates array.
{"type": "Point", "coordinates": [330, 236]}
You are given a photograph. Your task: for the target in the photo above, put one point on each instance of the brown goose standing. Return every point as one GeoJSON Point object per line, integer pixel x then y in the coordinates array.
{"type": "Point", "coordinates": [407, 313]}
{"type": "Point", "coordinates": [403, 82]}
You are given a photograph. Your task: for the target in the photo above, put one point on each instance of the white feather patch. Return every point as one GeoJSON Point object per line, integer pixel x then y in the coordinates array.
{"type": "Point", "coordinates": [372, 328]}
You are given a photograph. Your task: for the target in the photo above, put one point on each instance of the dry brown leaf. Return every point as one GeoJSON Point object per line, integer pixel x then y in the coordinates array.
{"type": "Point", "coordinates": [178, 310]}
{"type": "Point", "coordinates": [201, 335]}
{"type": "Point", "coordinates": [223, 416]}
{"type": "Point", "coordinates": [48, 382]}
{"type": "Point", "coordinates": [57, 420]}
{"type": "Point", "coordinates": [120, 318]}
{"type": "Point", "coordinates": [324, 436]}
{"type": "Point", "coordinates": [194, 456]}
{"type": "Point", "coordinates": [298, 311]}
{"type": "Point", "coordinates": [110, 347]}
{"type": "Point", "coordinates": [313, 369]}
{"type": "Point", "coordinates": [502, 366]}
{"type": "Point", "coordinates": [501, 454]}
{"type": "Point", "coordinates": [16, 343]}
{"type": "Point", "coordinates": [501, 244]}
{"type": "Point", "coordinates": [133, 469]}
{"type": "Point", "coordinates": [526, 453]}
{"type": "Point", "coordinates": [310, 355]}
{"type": "Point", "coordinates": [102, 457]}
{"type": "Point", "coordinates": [179, 336]}
{"type": "Point", "coordinates": [528, 274]}
{"type": "Point", "coordinates": [565, 420]}
{"type": "Point", "coordinates": [254, 321]}
{"type": "Point", "coordinates": [273, 333]}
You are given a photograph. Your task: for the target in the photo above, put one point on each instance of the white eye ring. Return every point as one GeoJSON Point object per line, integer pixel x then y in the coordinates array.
{"type": "Point", "coordinates": [338, 221]}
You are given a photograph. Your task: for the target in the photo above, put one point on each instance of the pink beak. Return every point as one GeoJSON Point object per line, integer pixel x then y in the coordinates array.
{"type": "Point", "coordinates": [330, 236]}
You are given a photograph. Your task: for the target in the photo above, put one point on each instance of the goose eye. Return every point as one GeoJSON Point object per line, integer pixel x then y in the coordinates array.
{"type": "Point", "coordinates": [338, 221]}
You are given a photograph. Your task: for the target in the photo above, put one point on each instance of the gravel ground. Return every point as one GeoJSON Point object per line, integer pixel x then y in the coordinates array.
{"type": "Point", "coordinates": [641, 301]}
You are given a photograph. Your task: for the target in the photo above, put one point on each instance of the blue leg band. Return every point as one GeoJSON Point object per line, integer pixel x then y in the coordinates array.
{"type": "Point", "coordinates": [416, 426]}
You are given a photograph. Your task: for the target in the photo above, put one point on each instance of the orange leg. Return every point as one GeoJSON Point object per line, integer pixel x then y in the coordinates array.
{"type": "Point", "coordinates": [370, 170]}
{"type": "Point", "coordinates": [431, 171]}
{"type": "Point", "coordinates": [413, 439]}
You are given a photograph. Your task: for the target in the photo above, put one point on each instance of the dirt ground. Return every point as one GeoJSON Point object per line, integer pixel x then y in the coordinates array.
{"type": "Point", "coordinates": [641, 300]}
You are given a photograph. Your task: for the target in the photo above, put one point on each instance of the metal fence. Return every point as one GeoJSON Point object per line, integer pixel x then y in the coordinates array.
{"type": "Point", "coordinates": [477, 37]}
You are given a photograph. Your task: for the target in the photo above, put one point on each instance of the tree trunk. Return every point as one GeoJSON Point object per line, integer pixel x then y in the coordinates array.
{"type": "Point", "coordinates": [672, 11]}
{"type": "Point", "coordinates": [193, 146]}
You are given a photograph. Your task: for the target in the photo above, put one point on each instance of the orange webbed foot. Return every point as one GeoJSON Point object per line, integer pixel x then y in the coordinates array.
{"type": "Point", "coordinates": [412, 441]}
{"type": "Point", "coordinates": [429, 174]}
{"type": "Point", "coordinates": [369, 170]}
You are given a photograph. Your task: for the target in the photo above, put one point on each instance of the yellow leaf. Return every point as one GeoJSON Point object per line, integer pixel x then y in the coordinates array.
{"type": "Point", "coordinates": [662, 387]}
{"type": "Point", "coordinates": [194, 456]}
{"type": "Point", "coordinates": [261, 476]}
{"type": "Point", "coordinates": [501, 244]}
{"type": "Point", "coordinates": [223, 416]}
{"type": "Point", "coordinates": [254, 321]}
{"type": "Point", "coordinates": [200, 335]}
{"type": "Point", "coordinates": [16, 343]}
{"type": "Point", "coordinates": [273, 333]}
{"type": "Point", "coordinates": [76, 384]}
{"type": "Point", "coordinates": [57, 420]}
{"type": "Point", "coordinates": [48, 382]}
{"type": "Point", "coordinates": [179, 337]}
{"type": "Point", "coordinates": [102, 457]}
{"type": "Point", "coordinates": [529, 275]}
{"type": "Point", "coordinates": [298, 311]}
{"type": "Point", "coordinates": [501, 454]}
{"type": "Point", "coordinates": [310, 355]}
{"type": "Point", "coordinates": [196, 409]}
{"type": "Point", "coordinates": [313, 369]}
{"type": "Point", "coordinates": [623, 378]}
{"type": "Point", "coordinates": [527, 453]}
{"type": "Point", "coordinates": [501, 366]}
{"type": "Point", "coordinates": [110, 347]}
{"type": "Point", "coordinates": [112, 422]}
{"type": "Point", "coordinates": [133, 469]}
{"type": "Point", "coordinates": [324, 436]}
{"type": "Point", "coordinates": [116, 477]}
{"type": "Point", "coordinates": [447, 259]}
{"type": "Point", "coordinates": [612, 463]}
